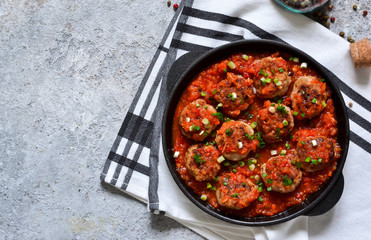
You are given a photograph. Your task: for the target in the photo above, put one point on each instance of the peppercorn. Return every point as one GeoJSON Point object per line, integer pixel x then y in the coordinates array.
{"type": "Point", "coordinates": [330, 7]}
{"type": "Point", "coordinates": [168, 3]}
{"type": "Point", "coordinates": [355, 7]}
{"type": "Point", "coordinates": [175, 6]}
{"type": "Point", "coordinates": [349, 38]}
{"type": "Point", "coordinates": [364, 13]}
{"type": "Point", "coordinates": [332, 19]}
{"type": "Point", "coordinates": [327, 24]}
{"type": "Point", "coordinates": [351, 41]}
{"type": "Point", "coordinates": [342, 34]}
{"type": "Point", "coordinates": [350, 104]}
{"type": "Point", "coordinates": [325, 17]}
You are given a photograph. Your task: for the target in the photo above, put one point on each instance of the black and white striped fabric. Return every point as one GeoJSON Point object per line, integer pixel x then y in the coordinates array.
{"type": "Point", "coordinates": [136, 164]}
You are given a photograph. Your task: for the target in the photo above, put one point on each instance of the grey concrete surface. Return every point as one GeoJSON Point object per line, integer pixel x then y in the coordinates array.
{"type": "Point", "coordinates": [68, 72]}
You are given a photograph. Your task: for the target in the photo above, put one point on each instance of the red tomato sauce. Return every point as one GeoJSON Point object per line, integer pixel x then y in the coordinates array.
{"type": "Point", "coordinates": [270, 202]}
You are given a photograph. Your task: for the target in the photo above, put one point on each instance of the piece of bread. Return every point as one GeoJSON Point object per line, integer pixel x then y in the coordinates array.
{"type": "Point", "coordinates": [361, 53]}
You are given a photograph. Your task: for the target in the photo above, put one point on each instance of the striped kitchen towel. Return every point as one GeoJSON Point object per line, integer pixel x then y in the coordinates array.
{"type": "Point", "coordinates": [136, 162]}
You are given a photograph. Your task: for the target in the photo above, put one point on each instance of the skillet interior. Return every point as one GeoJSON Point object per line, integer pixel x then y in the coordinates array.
{"type": "Point", "coordinates": [220, 53]}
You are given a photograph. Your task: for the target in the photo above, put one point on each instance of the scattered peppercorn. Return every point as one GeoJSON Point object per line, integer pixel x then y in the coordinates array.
{"type": "Point", "coordinates": [175, 6]}
{"type": "Point", "coordinates": [364, 13]}
{"type": "Point", "coordinates": [349, 38]}
{"type": "Point", "coordinates": [355, 7]}
{"type": "Point", "coordinates": [350, 104]}
{"type": "Point", "coordinates": [325, 17]}
{"type": "Point", "coordinates": [327, 24]}
{"type": "Point", "coordinates": [330, 7]}
{"type": "Point", "coordinates": [352, 41]}
{"type": "Point", "coordinates": [332, 19]}
{"type": "Point", "coordinates": [342, 34]}
{"type": "Point", "coordinates": [168, 3]}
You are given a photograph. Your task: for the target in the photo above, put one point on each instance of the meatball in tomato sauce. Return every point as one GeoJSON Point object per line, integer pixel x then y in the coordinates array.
{"type": "Point", "coordinates": [315, 153]}
{"type": "Point", "coordinates": [236, 191]}
{"type": "Point", "coordinates": [197, 120]}
{"type": "Point", "coordinates": [275, 121]}
{"type": "Point", "coordinates": [280, 175]}
{"type": "Point", "coordinates": [271, 77]}
{"type": "Point", "coordinates": [234, 140]}
{"type": "Point", "coordinates": [201, 161]}
{"type": "Point", "coordinates": [235, 94]}
{"type": "Point", "coordinates": [308, 97]}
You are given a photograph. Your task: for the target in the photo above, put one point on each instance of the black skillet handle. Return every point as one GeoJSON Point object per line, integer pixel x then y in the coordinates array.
{"type": "Point", "coordinates": [176, 70]}
{"type": "Point", "coordinates": [330, 200]}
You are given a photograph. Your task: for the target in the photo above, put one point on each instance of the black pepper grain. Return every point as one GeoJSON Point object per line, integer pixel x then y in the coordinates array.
{"type": "Point", "coordinates": [355, 7]}
{"type": "Point", "coordinates": [341, 34]}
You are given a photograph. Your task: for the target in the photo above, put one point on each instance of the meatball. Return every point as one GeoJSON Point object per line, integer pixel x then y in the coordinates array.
{"type": "Point", "coordinates": [235, 140]}
{"type": "Point", "coordinates": [280, 174]}
{"type": "Point", "coordinates": [197, 120]}
{"type": "Point", "coordinates": [308, 97]}
{"type": "Point", "coordinates": [271, 77]}
{"type": "Point", "coordinates": [201, 161]}
{"type": "Point", "coordinates": [316, 153]}
{"type": "Point", "coordinates": [236, 191]}
{"type": "Point", "coordinates": [275, 121]}
{"type": "Point", "coordinates": [235, 94]}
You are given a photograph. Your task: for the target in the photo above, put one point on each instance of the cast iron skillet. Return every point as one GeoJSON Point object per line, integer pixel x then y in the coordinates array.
{"type": "Point", "coordinates": [183, 72]}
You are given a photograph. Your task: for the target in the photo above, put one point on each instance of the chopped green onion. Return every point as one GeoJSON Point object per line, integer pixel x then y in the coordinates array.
{"type": "Point", "coordinates": [261, 72]}
{"type": "Point", "coordinates": [214, 91]}
{"type": "Point", "coordinates": [220, 159]}
{"type": "Point", "coordinates": [234, 170]}
{"type": "Point", "coordinates": [254, 161]}
{"type": "Point", "coordinates": [213, 188]}
{"type": "Point", "coordinates": [314, 100]}
{"type": "Point", "coordinates": [240, 145]}
{"type": "Point", "coordinates": [260, 189]}
{"type": "Point", "coordinates": [273, 152]}
{"type": "Point", "coordinates": [205, 121]}
{"type": "Point", "coordinates": [219, 105]}
{"type": "Point", "coordinates": [203, 197]}
{"type": "Point", "coordinates": [208, 185]}
{"type": "Point", "coordinates": [234, 96]}
{"type": "Point", "coordinates": [188, 119]}
{"type": "Point", "coordinates": [302, 114]}
{"type": "Point", "coordinates": [264, 175]}
{"type": "Point", "coordinates": [231, 65]}
{"type": "Point", "coordinates": [314, 161]}
{"type": "Point", "coordinates": [216, 178]}
{"type": "Point", "coordinates": [252, 167]}
{"type": "Point", "coordinates": [283, 152]}
{"type": "Point", "coordinates": [275, 80]}
{"type": "Point", "coordinates": [241, 163]}
{"type": "Point", "coordinates": [269, 180]}
{"type": "Point", "coordinates": [244, 56]}
{"type": "Point", "coordinates": [302, 142]}
{"type": "Point", "coordinates": [279, 83]}
{"type": "Point", "coordinates": [320, 160]}
{"type": "Point", "coordinates": [322, 80]}
{"type": "Point", "coordinates": [265, 74]}
{"type": "Point", "coordinates": [235, 195]}
{"type": "Point", "coordinates": [203, 94]}
{"type": "Point", "coordinates": [253, 125]}
{"type": "Point", "coordinates": [225, 70]}
{"type": "Point", "coordinates": [287, 181]}
{"type": "Point", "coordinates": [197, 105]}
{"type": "Point", "coordinates": [225, 183]}
{"type": "Point", "coordinates": [228, 132]}
{"type": "Point", "coordinates": [304, 65]}
{"type": "Point", "coordinates": [226, 163]}
{"type": "Point", "coordinates": [324, 104]}
{"type": "Point", "coordinates": [287, 145]}
{"type": "Point", "coordinates": [285, 122]}
{"type": "Point", "coordinates": [268, 80]}
{"type": "Point", "coordinates": [295, 113]}
{"type": "Point", "coordinates": [280, 69]}
{"type": "Point", "coordinates": [176, 154]}
{"type": "Point", "coordinates": [307, 159]}
{"type": "Point", "coordinates": [295, 59]}
{"type": "Point", "coordinates": [260, 199]}
{"type": "Point", "coordinates": [206, 107]}
{"type": "Point", "coordinates": [269, 189]}
{"type": "Point", "coordinates": [271, 109]}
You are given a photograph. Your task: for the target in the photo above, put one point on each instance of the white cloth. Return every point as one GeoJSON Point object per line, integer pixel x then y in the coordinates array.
{"type": "Point", "coordinates": [136, 163]}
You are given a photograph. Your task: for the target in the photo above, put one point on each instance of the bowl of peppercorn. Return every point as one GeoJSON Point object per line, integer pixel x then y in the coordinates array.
{"type": "Point", "coordinates": [301, 6]}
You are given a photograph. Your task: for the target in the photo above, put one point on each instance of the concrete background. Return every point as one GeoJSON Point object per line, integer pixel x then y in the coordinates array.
{"type": "Point", "coordinates": [68, 72]}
